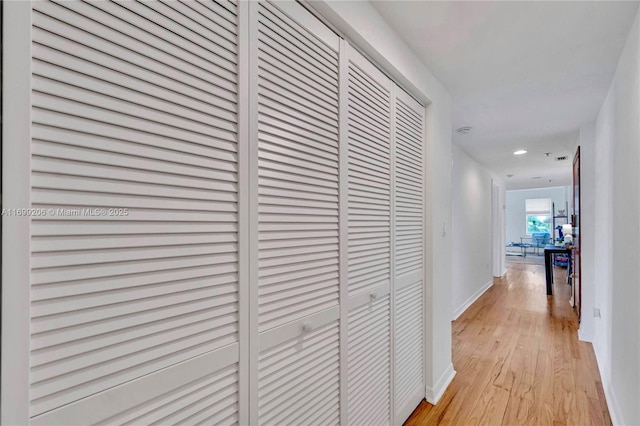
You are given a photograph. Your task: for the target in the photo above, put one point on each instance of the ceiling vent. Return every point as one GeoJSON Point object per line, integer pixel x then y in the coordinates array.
{"type": "Point", "coordinates": [564, 157]}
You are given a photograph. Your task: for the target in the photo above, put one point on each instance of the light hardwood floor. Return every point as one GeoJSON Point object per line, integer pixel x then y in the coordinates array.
{"type": "Point", "coordinates": [519, 361]}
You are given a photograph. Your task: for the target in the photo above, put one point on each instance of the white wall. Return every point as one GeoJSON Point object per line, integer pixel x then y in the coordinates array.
{"type": "Point", "coordinates": [603, 251]}
{"type": "Point", "coordinates": [515, 208]}
{"type": "Point", "coordinates": [587, 229]}
{"type": "Point", "coordinates": [616, 199]}
{"type": "Point", "coordinates": [361, 24]}
{"type": "Point", "coordinates": [471, 232]}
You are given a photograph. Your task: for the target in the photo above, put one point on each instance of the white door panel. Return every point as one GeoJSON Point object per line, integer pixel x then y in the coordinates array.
{"type": "Point", "coordinates": [135, 151]}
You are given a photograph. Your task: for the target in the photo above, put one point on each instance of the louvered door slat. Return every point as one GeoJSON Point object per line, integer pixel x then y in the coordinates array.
{"type": "Point", "coordinates": [409, 184]}
{"type": "Point", "coordinates": [95, 62]}
{"type": "Point", "coordinates": [297, 269]}
{"type": "Point", "coordinates": [314, 125]}
{"type": "Point", "coordinates": [290, 83]}
{"type": "Point", "coordinates": [230, 6]}
{"type": "Point", "coordinates": [409, 349]}
{"type": "Point", "coordinates": [280, 57]}
{"type": "Point", "coordinates": [129, 115]}
{"type": "Point", "coordinates": [409, 255]}
{"type": "Point", "coordinates": [297, 190]}
{"type": "Point", "coordinates": [320, 66]}
{"type": "Point", "coordinates": [369, 352]}
{"type": "Point", "coordinates": [124, 89]}
{"type": "Point", "coordinates": [223, 72]}
{"type": "Point", "coordinates": [303, 38]}
{"type": "Point", "coordinates": [369, 211]}
{"type": "Point", "coordinates": [369, 92]}
{"type": "Point", "coordinates": [296, 375]}
{"type": "Point", "coordinates": [368, 114]}
{"type": "Point", "coordinates": [114, 15]}
{"type": "Point", "coordinates": [190, 28]}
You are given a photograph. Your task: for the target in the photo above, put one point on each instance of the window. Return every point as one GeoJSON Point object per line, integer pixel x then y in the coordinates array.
{"type": "Point", "coordinates": [538, 214]}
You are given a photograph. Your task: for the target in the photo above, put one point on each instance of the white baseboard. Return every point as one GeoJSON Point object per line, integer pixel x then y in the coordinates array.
{"type": "Point", "coordinates": [433, 394]}
{"type": "Point", "coordinates": [612, 404]}
{"type": "Point", "coordinates": [609, 393]}
{"type": "Point", "coordinates": [585, 336]}
{"type": "Point", "coordinates": [472, 299]}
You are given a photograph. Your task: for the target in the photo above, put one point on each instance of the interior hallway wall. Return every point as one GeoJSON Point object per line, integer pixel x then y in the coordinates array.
{"type": "Point", "coordinates": [616, 335]}
{"type": "Point", "coordinates": [471, 232]}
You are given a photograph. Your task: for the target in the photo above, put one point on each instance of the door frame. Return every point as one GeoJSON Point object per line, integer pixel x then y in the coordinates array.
{"type": "Point", "coordinates": [575, 221]}
{"type": "Point", "coordinates": [497, 230]}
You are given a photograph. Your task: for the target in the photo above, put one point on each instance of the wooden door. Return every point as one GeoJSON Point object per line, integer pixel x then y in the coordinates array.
{"type": "Point", "coordinates": [577, 280]}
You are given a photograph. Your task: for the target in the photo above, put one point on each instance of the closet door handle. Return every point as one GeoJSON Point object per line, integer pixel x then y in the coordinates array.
{"type": "Point", "coordinates": [307, 326]}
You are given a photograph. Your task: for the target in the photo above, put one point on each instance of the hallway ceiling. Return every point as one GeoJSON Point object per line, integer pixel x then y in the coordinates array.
{"type": "Point", "coordinates": [523, 75]}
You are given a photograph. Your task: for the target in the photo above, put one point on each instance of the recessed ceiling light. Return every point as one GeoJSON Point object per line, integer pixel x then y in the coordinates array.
{"type": "Point", "coordinates": [520, 152]}
{"type": "Point", "coordinates": [464, 130]}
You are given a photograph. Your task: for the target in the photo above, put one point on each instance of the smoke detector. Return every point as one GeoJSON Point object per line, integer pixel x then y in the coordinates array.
{"type": "Point", "coordinates": [464, 130]}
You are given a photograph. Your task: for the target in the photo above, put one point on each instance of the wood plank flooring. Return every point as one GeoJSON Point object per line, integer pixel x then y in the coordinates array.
{"type": "Point", "coordinates": [519, 361]}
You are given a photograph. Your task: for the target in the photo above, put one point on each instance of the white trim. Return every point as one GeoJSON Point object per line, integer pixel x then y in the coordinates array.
{"type": "Point", "coordinates": [609, 393]}
{"type": "Point", "coordinates": [612, 404]}
{"type": "Point", "coordinates": [244, 208]}
{"type": "Point", "coordinates": [433, 394]}
{"type": "Point", "coordinates": [16, 193]}
{"type": "Point", "coordinates": [585, 336]}
{"type": "Point", "coordinates": [475, 296]}
{"type": "Point", "coordinates": [496, 235]}
{"type": "Point", "coordinates": [343, 193]}
{"type": "Point", "coordinates": [367, 296]}
{"type": "Point", "coordinates": [408, 279]}
{"type": "Point", "coordinates": [297, 328]}
{"type": "Point", "coordinates": [392, 255]}
{"type": "Point", "coordinates": [427, 277]}
{"type": "Point", "coordinates": [253, 212]}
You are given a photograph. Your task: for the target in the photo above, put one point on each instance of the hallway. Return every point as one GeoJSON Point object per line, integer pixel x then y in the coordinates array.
{"type": "Point", "coordinates": [519, 361]}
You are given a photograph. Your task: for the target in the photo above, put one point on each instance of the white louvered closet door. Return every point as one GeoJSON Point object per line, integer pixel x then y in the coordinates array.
{"type": "Point", "coordinates": [369, 242]}
{"type": "Point", "coordinates": [409, 254]}
{"type": "Point", "coordinates": [134, 309]}
{"type": "Point", "coordinates": [297, 189]}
